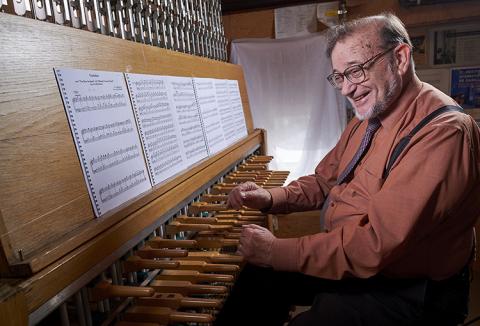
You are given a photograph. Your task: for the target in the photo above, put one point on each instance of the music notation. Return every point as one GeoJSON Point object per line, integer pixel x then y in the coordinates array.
{"type": "Point", "coordinates": [155, 121]}
{"type": "Point", "coordinates": [155, 107]}
{"type": "Point", "coordinates": [167, 164]}
{"type": "Point", "coordinates": [151, 94]}
{"type": "Point", "coordinates": [93, 134]}
{"type": "Point", "coordinates": [161, 142]}
{"type": "Point", "coordinates": [155, 110]}
{"type": "Point", "coordinates": [106, 136]}
{"type": "Point", "coordinates": [119, 187]}
{"type": "Point", "coordinates": [149, 84]}
{"type": "Point", "coordinates": [108, 160]}
{"type": "Point", "coordinates": [154, 133]}
{"type": "Point", "coordinates": [98, 102]}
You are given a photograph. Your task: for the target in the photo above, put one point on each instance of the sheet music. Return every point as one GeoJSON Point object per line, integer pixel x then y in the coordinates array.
{"type": "Point", "coordinates": [212, 124]}
{"type": "Point", "coordinates": [237, 110]}
{"type": "Point", "coordinates": [188, 118]}
{"type": "Point", "coordinates": [229, 107]}
{"type": "Point", "coordinates": [158, 125]}
{"type": "Point", "coordinates": [102, 123]}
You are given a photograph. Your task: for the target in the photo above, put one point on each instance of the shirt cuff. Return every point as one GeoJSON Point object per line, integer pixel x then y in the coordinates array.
{"type": "Point", "coordinates": [284, 255]}
{"type": "Point", "coordinates": [279, 200]}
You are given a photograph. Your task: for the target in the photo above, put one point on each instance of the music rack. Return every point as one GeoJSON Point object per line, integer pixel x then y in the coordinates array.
{"type": "Point", "coordinates": [52, 246]}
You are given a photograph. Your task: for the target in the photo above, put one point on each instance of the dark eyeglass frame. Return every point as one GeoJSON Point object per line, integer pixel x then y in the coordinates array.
{"type": "Point", "coordinates": [359, 69]}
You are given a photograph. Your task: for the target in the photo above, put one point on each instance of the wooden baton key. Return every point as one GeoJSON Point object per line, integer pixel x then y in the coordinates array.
{"type": "Point", "coordinates": [164, 315]}
{"type": "Point", "coordinates": [149, 252]}
{"type": "Point", "coordinates": [104, 290]}
{"type": "Point", "coordinates": [176, 300]}
{"type": "Point", "coordinates": [186, 287]}
{"type": "Point", "coordinates": [136, 263]}
{"type": "Point", "coordinates": [193, 276]}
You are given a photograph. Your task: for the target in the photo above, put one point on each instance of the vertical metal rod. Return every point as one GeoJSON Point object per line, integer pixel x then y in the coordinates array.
{"type": "Point", "coordinates": [64, 315]}
{"type": "Point", "coordinates": [79, 309]}
{"type": "Point", "coordinates": [86, 307]}
{"type": "Point", "coordinates": [113, 271]}
{"type": "Point", "coordinates": [119, 272]}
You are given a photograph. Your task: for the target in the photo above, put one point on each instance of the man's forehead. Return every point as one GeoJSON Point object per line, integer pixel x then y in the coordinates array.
{"type": "Point", "coordinates": [354, 49]}
{"type": "Point", "coordinates": [356, 44]}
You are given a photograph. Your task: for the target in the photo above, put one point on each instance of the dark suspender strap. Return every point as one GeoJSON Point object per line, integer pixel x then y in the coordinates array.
{"type": "Point", "coordinates": [405, 140]}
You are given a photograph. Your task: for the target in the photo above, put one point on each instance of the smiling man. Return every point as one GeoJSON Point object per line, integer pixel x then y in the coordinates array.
{"type": "Point", "coordinates": [399, 201]}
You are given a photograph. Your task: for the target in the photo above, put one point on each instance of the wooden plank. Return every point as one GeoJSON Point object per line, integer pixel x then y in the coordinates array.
{"type": "Point", "coordinates": [13, 306]}
{"type": "Point", "coordinates": [43, 198]}
{"type": "Point", "coordinates": [52, 279]}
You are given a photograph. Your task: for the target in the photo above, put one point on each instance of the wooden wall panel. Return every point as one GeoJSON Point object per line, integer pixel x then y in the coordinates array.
{"type": "Point", "coordinates": [418, 15]}
{"type": "Point", "coordinates": [252, 24]}
{"type": "Point", "coordinates": [261, 23]}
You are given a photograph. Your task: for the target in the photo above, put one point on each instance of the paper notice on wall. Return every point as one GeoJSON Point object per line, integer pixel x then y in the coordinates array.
{"type": "Point", "coordinates": [327, 13]}
{"type": "Point", "coordinates": [440, 78]}
{"type": "Point", "coordinates": [296, 20]}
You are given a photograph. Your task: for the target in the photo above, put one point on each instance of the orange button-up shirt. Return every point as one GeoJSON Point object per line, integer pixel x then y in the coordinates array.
{"type": "Point", "coordinates": [418, 222]}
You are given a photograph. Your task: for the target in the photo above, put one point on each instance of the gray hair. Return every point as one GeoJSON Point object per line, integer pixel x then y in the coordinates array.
{"type": "Point", "coordinates": [391, 31]}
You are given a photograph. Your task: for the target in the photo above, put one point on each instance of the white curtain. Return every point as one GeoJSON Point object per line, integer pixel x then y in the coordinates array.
{"type": "Point", "coordinates": [290, 98]}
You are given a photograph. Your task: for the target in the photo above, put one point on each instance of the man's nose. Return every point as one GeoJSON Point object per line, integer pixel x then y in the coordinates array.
{"type": "Point", "coordinates": [347, 87]}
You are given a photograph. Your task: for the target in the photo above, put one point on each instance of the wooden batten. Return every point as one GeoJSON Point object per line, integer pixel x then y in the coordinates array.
{"type": "Point", "coordinates": [47, 225]}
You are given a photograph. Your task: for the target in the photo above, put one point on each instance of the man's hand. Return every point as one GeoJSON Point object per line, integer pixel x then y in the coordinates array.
{"type": "Point", "coordinates": [250, 195]}
{"type": "Point", "coordinates": [256, 245]}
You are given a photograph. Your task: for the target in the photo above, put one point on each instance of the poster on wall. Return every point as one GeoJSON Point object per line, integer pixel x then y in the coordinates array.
{"type": "Point", "coordinates": [295, 21]}
{"type": "Point", "coordinates": [456, 45]}
{"type": "Point", "coordinates": [465, 86]}
{"type": "Point", "coordinates": [440, 78]}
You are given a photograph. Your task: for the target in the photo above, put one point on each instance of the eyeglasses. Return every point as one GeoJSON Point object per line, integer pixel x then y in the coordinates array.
{"type": "Point", "coordinates": [356, 73]}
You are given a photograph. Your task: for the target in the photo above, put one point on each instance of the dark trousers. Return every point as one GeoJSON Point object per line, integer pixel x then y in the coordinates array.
{"type": "Point", "coordinates": [264, 297]}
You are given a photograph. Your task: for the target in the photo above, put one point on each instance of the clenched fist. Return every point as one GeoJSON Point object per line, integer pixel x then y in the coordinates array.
{"type": "Point", "coordinates": [250, 195]}
{"type": "Point", "coordinates": [256, 245]}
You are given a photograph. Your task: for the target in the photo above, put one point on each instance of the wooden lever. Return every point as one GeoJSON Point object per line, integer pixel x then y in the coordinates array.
{"type": "Point", "coordinates": [132, 323]}
{"type": "Point", "coordinates": [241, 212]}
{"type": "Point", "coordinates": [260, 159]}
{"type": "Point", "coordinates": [252, 167]}
{"type": "Point", "coordinates": [216, 224]}
{"type": "Point", "coordinates": [203, 266]}
{"type": "Point", "coordinates": [164, 315]}
{"type": "Point", "coordinates": [225, 188]}
{"type": "Point", "coordinates": [239, 217]}
{"type": "Point", "coordinates": [186, 287]}
{"type": "Point", "coordinates": [208, 243]}
{"type": "Point", "coordinates": [196, 220]}
{"type": "Point", "coordinates": [176, 300]}
{"type": "Point", "coordinates": [226, 235]}
{"type": "Point", "coordinates": [158, 242]}
{"type": "Point", "coordinates": [214, 198]}
{"type": "Point", "coordinates": [193, 276]}
{"type": "Point", "coordinates": [216, 242]}
{"type": "Point", "coordinates": [214, 257]}
{"type": "Point", "coordinates": [176, 226]}
{"type": "Point", "coordinates": [136, 263]}
{"type": "Point", "coordinates": [105, 290]}
{"type": "Point", "coordinates": [198, 207]}
{"type": "Point", "coordinates": [149, 253]}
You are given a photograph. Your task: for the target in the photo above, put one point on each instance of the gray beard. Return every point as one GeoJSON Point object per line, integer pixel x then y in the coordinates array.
{"type": "Point", "coordinates": [382, 105]}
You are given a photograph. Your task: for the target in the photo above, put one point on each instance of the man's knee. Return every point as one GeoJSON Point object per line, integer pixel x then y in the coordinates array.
{"type": "Point", "coordinates": [329, 309]}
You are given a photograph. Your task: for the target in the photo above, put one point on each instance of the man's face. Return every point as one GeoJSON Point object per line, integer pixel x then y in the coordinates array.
{"type": "Point", "coordinates": [382, 84]}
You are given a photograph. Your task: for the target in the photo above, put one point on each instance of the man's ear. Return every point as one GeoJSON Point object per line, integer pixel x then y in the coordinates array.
{"type": "Point", "coordinates": [402, 58]}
